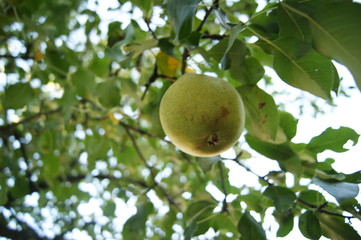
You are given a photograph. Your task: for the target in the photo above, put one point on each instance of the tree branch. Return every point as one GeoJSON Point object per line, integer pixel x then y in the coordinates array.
{"type": "Point", "coordinates": [185, 56]}
{"type": "Point", "coordinates": [236, 160]}
{"type": "Point", "coordinates": [215, 5]}
{"type": "Point", "coordinates": [9, 129]}
{"type": "Point", "coordinates": [142, 132]}
{"type": "Point", "coordinates": [22, 56]}
{"type": "Point", "coordinates": [152, 79]}
{"type": "Point", "coordinates": [213, 36]}
{"type": "Point", "coordinates": [151, 169]}
{"type": "Point", "coordinates": [320, 209]}
{"type": "Point", "coordinates": [147, 22]}
{"type": "Point", "coordinates": [317, 208]}
{"type": "Point", "coordinates": [26, 232]}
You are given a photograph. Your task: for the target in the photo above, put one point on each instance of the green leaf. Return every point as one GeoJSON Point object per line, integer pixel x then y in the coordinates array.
{"type": "Point", "coordinates": [333, 139]}
{"type": "Point", "coordinates": [100, 66]}
{"type": "Point", "coordinates": [190, 230]}
{"type": "Point", "coordinates": [335, 228]}
{"type": "Point", "coordinates": [181, 15]}
{"type": "Point", "coordinates": [57, 58]}
{"type": "Point", "coordinates": [167, 223]}
{"type": "Point", "coordinates": [267, 23]}
{"type": "Point", "coordinates": [128, 155]}
{"type": "Point", "coordinates": [302, 67]}
{"type": "Point", "coordinates": [166, 46]}
{"type": "Point", "coordinates": [340, 190]}
{"type": "Point", "coordinates": [145, 6]}
{"type": "Point", "coordinates": [313, 197]}
{"type": "Point", "coordinates": [335, 32]}
{"type": "Point", "coordinates": [199, 211]}
{"type": "Point", "coordinates": [352, 206]}
{"type": "Point", "coordinates": [52, 167]}
{"type": "Point", "coordinates": [233, 35]}
{"type": "Point", "coordinates": [353, 177]}
{"type": "Point", "coordinates": [4, 190]}
{"type": "Point", "coordinates": [285, 221]}
{"type": "Point", "coordinates": [233, 58]}
{"type": "Point", "coordinates": [134, 227]}
{"type": "Point", "coordinates": [282, 197]}
{"type": "Point", "coordinates": [207, 163]}
{"type": "Point", "coordinates": [249, 71]}
{"type": "Point", "coordinates": [21, 187]}
{"type": "Point", "coordinates": [292, 25]}
{"type": "Point", "coordinates": [292, 165]}
{"type": "Point", "coordinates": [192, 41]}
{"type": "Point", "coordinates": [68, 100]}
{"type": "Point", "coordinates": [148, 44]}
{"type": "Point", "coordinates": [224, 222]}
{"type": "Point", "coordinates": [18, 95]}
{"type": "Point", "coordinates": [261, 112]}
{"type": "Point", "coordinates": [255, 201]}
{"type": "Point", "coordinates": [84, 83]}
{"type": "Point", "coordinates": [109, 208]}
{"type": "Point", "coordinates": [108, 93]}
{"type": "Point", "coordinates": [115, 53]}
{"type": "Point", "coordinates": [309, 225]}
{"type": "Point", "coordinates": [97, 146]}
{"type": "Point", "coordinates": [274, 151]}
{"type": "Point", "coordinates": [250, 229]}
{"type": "Point", "coordinates": [288, 123]}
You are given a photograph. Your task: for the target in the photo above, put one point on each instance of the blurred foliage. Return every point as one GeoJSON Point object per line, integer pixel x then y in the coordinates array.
{"type": "Point", "coordinates": [82, 152]}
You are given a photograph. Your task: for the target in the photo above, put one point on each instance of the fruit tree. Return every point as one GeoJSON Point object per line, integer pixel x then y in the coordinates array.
{"type": "Point", "coordinates": [178, 119]}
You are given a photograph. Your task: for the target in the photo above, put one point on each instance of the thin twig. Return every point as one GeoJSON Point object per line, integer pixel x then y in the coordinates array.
{"type": "Point", "coordinates": [147, 22]}
{"type": "Point", "coordinates": [151, 170]}
{"type": "Point", "coordinates": [214, 36]}
{"type": "Point", "coordinates": [152, 79]}
{"type": "Point", "coordinates": [263, 178]}
{"type": "Point", "coordinates": [9, 129]}
{"type": "Point", "coordinates": [320, 209]}
{"type": "Point", "coordinates": [139, 152]}
{"type": "Point", "coordinates": [142, 132]}
{"type": "Point", "coordinates": [22, 56]}
{"type": "Point", "coordinates": [185, 56]}
{"type": "Point", "coordinates": [215, 5]}
{"type": "Point", "coordinates": [27, 231]}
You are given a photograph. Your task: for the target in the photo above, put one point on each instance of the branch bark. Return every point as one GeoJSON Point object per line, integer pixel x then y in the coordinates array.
{"type": "Point", "coordinates": [263, 178]}
{"type": "Point", "coordinates": [215, 5]}
{"type": "Point", "coordinates": [9, 129]}
{"type": "Point", "coordinates": [26, 232]}
{"type": "Point", "coordinates": [320, 209]}
{"type": "Point", "coordinates": [169, 198]}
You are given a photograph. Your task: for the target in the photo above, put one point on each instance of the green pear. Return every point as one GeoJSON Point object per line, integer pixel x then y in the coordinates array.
{"type": "Point", "coordinates": [202, 115]}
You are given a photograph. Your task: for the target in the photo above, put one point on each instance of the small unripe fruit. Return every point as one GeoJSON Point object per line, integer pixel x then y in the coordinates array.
{"type": "Point", "coordinates": [202, 115]}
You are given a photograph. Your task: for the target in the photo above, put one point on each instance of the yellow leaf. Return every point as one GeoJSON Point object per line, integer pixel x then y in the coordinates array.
{"type": "Point", "coordinates": [38, 55]}
{"type": "Point", "coordinates": [167, 65]}
{"type": "Point", "coordinates": [190, 70]}
{"type": "Point", "coordinates": [112, 118]}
